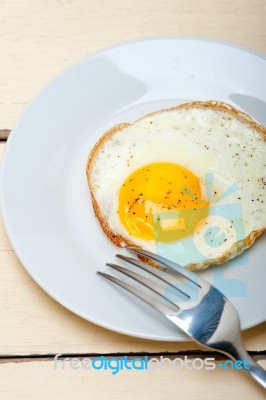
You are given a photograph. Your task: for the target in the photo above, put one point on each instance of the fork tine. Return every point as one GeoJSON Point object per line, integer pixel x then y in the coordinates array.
{"type": "Point", "coordinates": [155, 287]}
{"type": "Point", "coordinates": [161, 274]}
{"type": "Point", "coordinates": [194, 278]}
{"type": "Point", "coordinates": [162, 308]}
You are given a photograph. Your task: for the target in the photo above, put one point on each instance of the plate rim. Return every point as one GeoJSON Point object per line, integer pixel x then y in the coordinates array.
{"type": "Point", "coordinates": [12, 136]}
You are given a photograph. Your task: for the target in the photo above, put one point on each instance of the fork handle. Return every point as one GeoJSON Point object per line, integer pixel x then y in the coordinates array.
{"type": "Point", "coordinates": [258, 373]}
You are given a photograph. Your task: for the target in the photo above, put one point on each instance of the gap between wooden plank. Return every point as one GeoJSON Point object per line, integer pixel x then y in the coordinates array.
{"type": "Point", "coordinates": [4, 133]}
{"type": "Point", "coordinates": [257, 355]}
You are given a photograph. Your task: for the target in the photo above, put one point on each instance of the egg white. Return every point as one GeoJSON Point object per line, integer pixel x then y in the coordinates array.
{"type": "Point", "coordinates": [205, 142]}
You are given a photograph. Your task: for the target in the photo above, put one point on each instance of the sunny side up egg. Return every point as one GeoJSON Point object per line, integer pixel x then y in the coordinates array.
{"type": "Point", "coordinates": [187, 183]}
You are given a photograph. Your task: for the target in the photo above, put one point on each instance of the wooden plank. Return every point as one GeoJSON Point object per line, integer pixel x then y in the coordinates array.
{"type": "Point", "coordinates": [45, 326]}
{"type": "Point", "coordinates": [39, 39]}
{"type": "Point", "coordinates": [40, 380]}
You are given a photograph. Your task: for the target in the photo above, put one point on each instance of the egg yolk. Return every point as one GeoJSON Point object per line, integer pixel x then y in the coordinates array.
{"type": "Point", "coordinates": [161, 201]}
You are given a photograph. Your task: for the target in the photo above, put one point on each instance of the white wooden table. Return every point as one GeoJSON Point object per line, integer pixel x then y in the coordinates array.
{"type": "Point", "coordinates": [37, 40]}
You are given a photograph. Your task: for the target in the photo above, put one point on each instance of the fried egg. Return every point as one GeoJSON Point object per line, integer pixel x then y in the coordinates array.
{"type": "Point", "coordinates": [187, 183]}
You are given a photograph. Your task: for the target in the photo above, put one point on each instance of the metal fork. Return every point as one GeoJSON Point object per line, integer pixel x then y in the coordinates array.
{"type": "Point", "coordinates": [201, 311]}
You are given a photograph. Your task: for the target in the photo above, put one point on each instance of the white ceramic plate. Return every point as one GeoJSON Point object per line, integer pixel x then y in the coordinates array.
{"type": "Point", "coordinates": [44, 196]}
